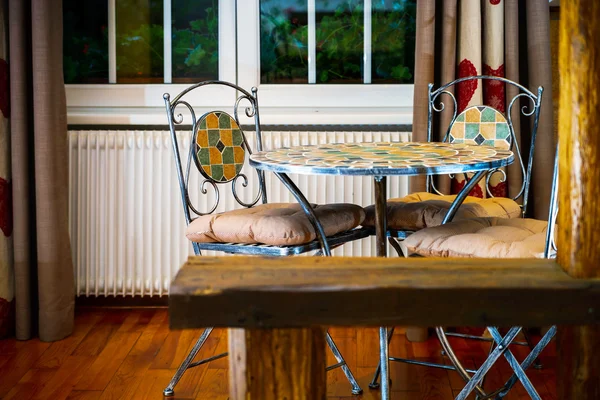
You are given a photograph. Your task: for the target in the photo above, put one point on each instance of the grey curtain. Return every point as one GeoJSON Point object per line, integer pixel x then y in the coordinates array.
{"type": "Point", "coordinates": [527, 61]}
{"type": "Point", "coordinates": [44, 283]}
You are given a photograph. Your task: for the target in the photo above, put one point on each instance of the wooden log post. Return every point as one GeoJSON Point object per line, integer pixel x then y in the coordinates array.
{"type": "Point", "coordinates": [579, 201]}
{"type": "Point", "coordinates": [277, 364]}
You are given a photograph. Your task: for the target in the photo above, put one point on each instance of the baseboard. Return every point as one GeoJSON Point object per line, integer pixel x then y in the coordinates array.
{"type": "Point", "coordinates": [121, 301]}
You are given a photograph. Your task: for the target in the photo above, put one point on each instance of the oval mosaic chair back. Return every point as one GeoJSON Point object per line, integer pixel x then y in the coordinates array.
{"type": "Point", "coordinates": [481, 125]}
{"type": "Point", "coordinates": [219, 151]}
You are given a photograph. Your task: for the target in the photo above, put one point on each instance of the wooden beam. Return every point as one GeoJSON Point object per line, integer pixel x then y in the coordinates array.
{"type": "Point", "coordinates": [277, 364]}
{"type": "Point", "coordinates": [260, 292]}
{"type": "Point", "coordinates": [579, 201]}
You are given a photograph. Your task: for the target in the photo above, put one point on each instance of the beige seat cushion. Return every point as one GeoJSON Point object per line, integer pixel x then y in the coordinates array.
{"type": "Point", "coordinates": [481, 237]}
{"type": "Point", "coordinates": [421, 210]}
{"type": "Point", "coordinates": [277, 224]}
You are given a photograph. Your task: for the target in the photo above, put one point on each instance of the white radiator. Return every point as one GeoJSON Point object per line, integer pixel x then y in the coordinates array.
{"type": "Point", "coordinates": [126, 220]}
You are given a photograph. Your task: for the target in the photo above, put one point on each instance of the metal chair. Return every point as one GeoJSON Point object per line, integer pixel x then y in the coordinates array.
{"type": "Point", "coordinates": [481, 125]}
{"type": "Point", "coordinates": [500, 345]}
{"type": "Point", "coordinates": [218, 147]}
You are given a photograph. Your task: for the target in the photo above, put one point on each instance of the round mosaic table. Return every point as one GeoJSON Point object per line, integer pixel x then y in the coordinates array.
{"type": "Point", "coordinates": [382, 159]}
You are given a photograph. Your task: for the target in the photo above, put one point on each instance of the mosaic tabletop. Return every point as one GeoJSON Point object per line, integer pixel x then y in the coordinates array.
{"type": "Point", "coordinates": [381, 159]}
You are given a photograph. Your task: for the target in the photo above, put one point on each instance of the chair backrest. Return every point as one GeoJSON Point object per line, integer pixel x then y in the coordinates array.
{"type": "Point", "coordinates": [218, 145]}
{"type": "Point", "coordinates": [485, 125]}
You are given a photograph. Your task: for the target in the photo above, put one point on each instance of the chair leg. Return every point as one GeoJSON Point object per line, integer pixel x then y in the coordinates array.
{"type": "Point", "coordinates": [537, 364]}
{"type": "Point", "coordinates": [487, 364]}
{"type": "Point", "coordinates": [528, 361]}
{"type": "Point", "coordinates": [356, 389]}
{"type": "Point", "coordinates": [482, 384]}
{"type": "Point", "coordinates": [396, 246]}
{"type": "Point", "coordinates": [374, 384]}
{"type": "Point", "coordinates": [186, 363]}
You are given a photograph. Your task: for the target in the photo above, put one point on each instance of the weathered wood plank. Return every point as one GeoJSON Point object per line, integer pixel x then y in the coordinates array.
{"type": "Point", "coordinates": [277, 364]}
{"type": "Point", "coordinates": [579, 195]}
{"type": "Point", "coordinates": [305, 291]}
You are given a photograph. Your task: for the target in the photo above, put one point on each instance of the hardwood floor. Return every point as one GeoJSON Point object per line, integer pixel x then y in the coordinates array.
{"type": "Point", "coordinates": [132, 354]}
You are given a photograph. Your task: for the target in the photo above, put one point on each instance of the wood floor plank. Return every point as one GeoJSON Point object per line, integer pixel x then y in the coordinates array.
{"type": "Point", "coordinates": [174, 349]}
{"type": "Point", "coordinates": [128, 376]}
{"type": "Point", "coordinates": [62, 382]}
{"type": "Point", "coordinates": [435, 384]}
{"type": "Point", "coordinates": [96, 340]}
{"type": "Point", "coordinates": [398, 345]}
{"type": "Point", "coordinates": [8, 347]}
{"type": "Point", "coordinates": [31, 383]}
{"type": "Point", "coordinates": [368, 347]}
{"type": "Point", "coordinates": [157, 327]}
{"type": "Point", "coordinates": [58, 351]}
{"type": "Point", "coordinates": [132, 354]}
{"type": "Point", "coordinates": [222, 347]}
{"type": "Point", "coordinates": [342, 331]}
{"type": "Point", "coordinates": [20, 363]}
{"type": "Point", "coordinates": [108, 361]}
{"type": "Point", "coordinates": [153, 384]}
{"type": "Point", "coordinates": [84, 395]}
{"type": "Point", "coordinates": [215, 383]}
{"type": "Point", "coordinates": [4, 359]}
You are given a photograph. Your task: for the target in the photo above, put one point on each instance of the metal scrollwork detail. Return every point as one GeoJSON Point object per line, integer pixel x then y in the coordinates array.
{"type": "Point", "coordinates": [441, 106]}
{"type": "Point", "coordinates": [528, 113]}
{"type": "Point", "coordinates": [528, 109]}
{"type": "Point", "coordinates": [489, 176]}
{"type": "Point", "coordinates": [204, 191]}
{"type": "Point", "coordinates": [178, 118]}
{"type": "Point", "coordinates": [249, 111]}
{"type": "Point", "coordinates": [244, 184]}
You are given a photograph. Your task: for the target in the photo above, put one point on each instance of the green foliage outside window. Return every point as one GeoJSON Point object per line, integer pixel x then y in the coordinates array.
{"type": "Point", "coordinates": [339, 41]}
{"type": "Point", "coordinates": [139, 41]}
{"type": "Point", "coordinates": [283, 40]}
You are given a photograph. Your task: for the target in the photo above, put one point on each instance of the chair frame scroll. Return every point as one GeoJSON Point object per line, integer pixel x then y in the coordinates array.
{"type": "Point", "coordinates": [529, 110]}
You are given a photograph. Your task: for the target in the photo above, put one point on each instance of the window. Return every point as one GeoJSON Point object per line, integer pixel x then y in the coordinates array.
{"type": "Point", "coordinates": [337, 41]}
{"type": "Point", "coordinates": [314, 61]}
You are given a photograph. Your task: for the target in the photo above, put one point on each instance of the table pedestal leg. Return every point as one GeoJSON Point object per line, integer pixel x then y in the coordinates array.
{"type": "Point", "coordinates": [380, 216]}
{"type": "Point", "coordinates": [381, 248]}
{"type": "Point", "coordinates": [274, 364]}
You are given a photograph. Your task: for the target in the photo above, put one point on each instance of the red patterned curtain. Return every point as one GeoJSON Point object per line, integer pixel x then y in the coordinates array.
{"type": "Point", "coordinates": [481, 52]}
{"type": "Point", "coordinates": [7, 273]}
{"type": "Point", "coordinates": [458, 38]}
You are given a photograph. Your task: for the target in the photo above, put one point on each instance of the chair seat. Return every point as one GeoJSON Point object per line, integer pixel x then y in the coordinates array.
{"type": "Point", "coordinates": [421, 210]}
{"type": "Point", "coordinates": [275, 224]}
{"type": "Point", "coordinates": [481, 237]}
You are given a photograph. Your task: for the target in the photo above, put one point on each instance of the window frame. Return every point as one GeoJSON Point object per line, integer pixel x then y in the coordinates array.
{"type": "Point", "coordinates": [239, 29]}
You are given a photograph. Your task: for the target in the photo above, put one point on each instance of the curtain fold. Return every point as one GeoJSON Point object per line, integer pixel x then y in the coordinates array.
{"type": "Point", "coordinates": [457, 38]}
{"type": "Point", "coordinates": [44, 282]}
{"type": "Point", "coordinates": [7, 286]}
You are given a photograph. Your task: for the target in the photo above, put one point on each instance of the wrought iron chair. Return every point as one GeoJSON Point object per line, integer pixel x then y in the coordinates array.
{"type": "Point", "coordinates": [218, 148]}
{"type": "Point", "coordinates": [495, 238]}
{"type": "Point", "coordinates": [481, 125]}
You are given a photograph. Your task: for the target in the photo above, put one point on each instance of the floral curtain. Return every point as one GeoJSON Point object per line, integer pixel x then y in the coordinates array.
{"type": "Point", "coordinates": [458, 38]}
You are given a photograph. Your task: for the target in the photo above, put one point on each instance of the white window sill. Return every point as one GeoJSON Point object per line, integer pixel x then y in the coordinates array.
{"type": "Point", "coordinates": [279, 104]}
